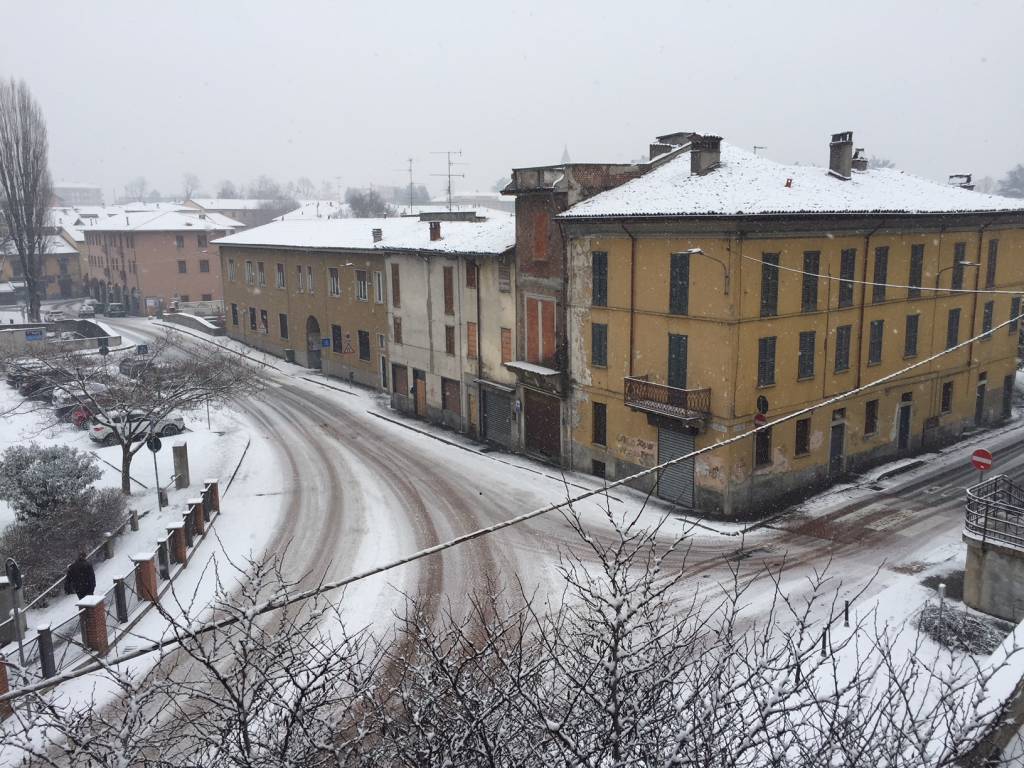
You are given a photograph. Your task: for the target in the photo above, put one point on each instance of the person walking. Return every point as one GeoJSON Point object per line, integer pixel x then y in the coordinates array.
{"type": "Point", "coordinates": [81, 578]}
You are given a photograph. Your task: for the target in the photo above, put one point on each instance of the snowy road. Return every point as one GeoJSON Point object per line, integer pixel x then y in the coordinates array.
{"type": "Point", "coordinates": [358, 490]}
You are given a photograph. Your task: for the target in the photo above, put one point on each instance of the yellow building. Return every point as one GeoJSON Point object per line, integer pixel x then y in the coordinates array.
{"type": "Point", "coordinates": [720, 284]}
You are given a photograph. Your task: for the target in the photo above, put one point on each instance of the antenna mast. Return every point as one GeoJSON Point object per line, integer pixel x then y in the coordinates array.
{"type": "Point", "coordinates": [449, 174]}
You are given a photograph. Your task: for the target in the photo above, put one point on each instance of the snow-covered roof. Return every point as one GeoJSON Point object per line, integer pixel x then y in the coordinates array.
{"type": "Point", "coordinates": [53, 245]}
{"type": "Point", "coordinates": [319, 209]}
{"type": "Point", "coordinates": [74, 185]}
{"type": "Point", "coordinates": [163, 221]}
{"type": "Point", "coordinates": [229, 203]}
{"type": "Point", "coordinates": [495, 235]}
{"type": "Point", "coordinates": [745, 184]}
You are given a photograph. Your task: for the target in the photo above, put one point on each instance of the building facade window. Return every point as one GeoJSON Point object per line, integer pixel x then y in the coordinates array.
{"type": "Point", "coordinates": [763, 447]}
{"type": "Point", "coordinates": [870, 417]}
{"type": "Point", "coordinates": [843, 333]}
{"type": "Point", "coordinates": [953, 328]}
{"type": "Point", "coordinates": [471, 275]}
{"type": "Point", "coordinates": [881, 274]}
{"type": "Point", "coordinates": [600, 424]}
{"type": "Point", "coordinates": [252, 318]}
{"type": "Point", "coordinates": [677, 345]}
{"type": "Point", "coordinates": [986, 319]}
{"type": "Point", "coordinates": [916, 270]}
{"type": "Point", "coordinates": [264, 321]}
{"type": "Point", "coordinates": [451, 396]}
{"type": "Point", "coordinates": [333, 282]}
{"type": "Point", "coordinates": [769, 284]}
{"type": "Point", "coordinates": [378, 287]}
{"type": "Point", "coordinates": [506, 345]}
{"type": "Point", "coordinates": [231, 270]}
{"type": "Point", "coordinates": [802, 443]}
{"type": "Point", "coordinates": [990, 266]}
{"type": "Point", "coordinates": [298, 278]}
{"type": "Point", "coordinates": [396, 287]}
{"type": "Point", "coordinates": [504, 278]}
{"type": "Point", "coordinates": [201, 240]}
{"type": "Point", "coordinates": [910, 336]}
{"type": "Point", "coordinates": [540, 331]}
{"type": "Point", "coordinates": [959, 257]}
{"type": "Point", "coordinates": [809, 285]}
{"type": "Point", "coordinates": [182, 267]}
{"type": "Point", "coordinates": [805, 358]}
{"type": "Point", "coordinates": [309, 279]}
{"type": "Point", "coordinates": [599, 279]}
{"type": "Point", "coordinates": [234, 314]}
{"type": "Point", "coordinates": [947, 397]}
{"type": "Point", "coordinates": [362, 289]}
{"type": "Point", "coordinates": [847, 273]}
{"type": "Point", "coordinates": [396, 331]}
{"type": "Point", "coordinates": [282, 320]}
{"type": "Point", "coordinates": [364, 345]}
{"type": "Point", "coordinates": [337, 340]}
{"type": "Point", "coordinates": [766, 361]}
{"type": "Point", "coordinates": [1014, 315]}
{"type": "Point", "coordinates": [279, 279]}
{"type": "Point", "coordinates": [877, 329]}
{"type": "Point", "coordinates": [449, 339]}
{"type": "Point", "coordinates": [599, 345]}
{"type": "Point", "coordinates": [471, 341]}
{"type": "Point", "coordinates": [679, 284]}
{"type": "Point", "coordinates": [449, 290]}
{"type": "Point", "coordinates": [204, 265]}
{"type": "Point", "coordinates": [179, 241]}
{"type": "Point", "coordinates": [261, 275]}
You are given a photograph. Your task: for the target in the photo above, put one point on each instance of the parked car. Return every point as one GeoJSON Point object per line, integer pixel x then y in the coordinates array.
{"type": "Point", "coordinates": [81, 416]}
{"type": "Point", "coordinates": [55, 315]}
{"type": "Point", "coordinates": [116, 310]}
{"type": "Point", "coordinates": [68, 398]}
{"type": "Point", "coordinates": [17, 370]}
{"type": "Point", "coordinates": [86, 310]}
{"type": "Point", "coordinates": [134, 424]}
{"type": "Point", "coordinates": [39, 384]}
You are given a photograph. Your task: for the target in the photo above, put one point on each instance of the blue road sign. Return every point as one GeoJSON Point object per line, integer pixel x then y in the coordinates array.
{"type": "Point", "coordinates": [35, 334]}
{"type": "Point", "coordinates": [325, 343]}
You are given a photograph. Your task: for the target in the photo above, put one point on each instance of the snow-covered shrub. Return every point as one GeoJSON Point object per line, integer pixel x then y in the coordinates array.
{"type": "Point", "coordinates": [959, 630]}
{"type": "Point", "coordinates": [43, 482]}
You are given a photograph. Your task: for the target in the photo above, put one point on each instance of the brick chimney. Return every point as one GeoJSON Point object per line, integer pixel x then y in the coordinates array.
{"type": "Point", "coordinates": [859, 162]}
{"type": "Point", "coordinates": [962, 180]}
{"type": "Point", "coordinates": [435, 230]}
{"type": "Point", "coordinates": [705, 154]}
{"type": "Point", "coordinates": [840, 155]}
{"type": "Point", "coordinates": [378, 234]}
{"type": "Point", "coordinates": [656, 150]}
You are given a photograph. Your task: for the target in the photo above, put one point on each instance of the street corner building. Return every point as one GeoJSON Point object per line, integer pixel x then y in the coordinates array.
{"type": "Point", "coordinates": [419, 306]}
{"type": "Point", "coordinates": [718, 284]}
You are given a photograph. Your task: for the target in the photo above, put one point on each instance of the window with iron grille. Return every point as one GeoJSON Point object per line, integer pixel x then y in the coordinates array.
{"type": "Point", "coordinates": [877, 328]}
{"type": "Point", "coordinates": [600, 424]}
{"type": "Point", "coordinates": [803, 437]}
{"type": "Point", "coordinates": [953, 328]}
{"type": "Point", "coordinates": [986, 320]}
{"type": "Point", "coordinates": [805, 358]}
{"type": "Point", "coordinates": [881, 274]}
{"type": "Point", "coordinates": [916, 270]}
{"type": "Point", "coordinates": [910, 336]}
{"type": "Point", "coordinates": [847, 273]}
{"type": "Point", "coordinates": [809, 287]}
{"type": "Point", "coordinates": [599, 344]}
{"type": "Point", "coordinates": [766, 361]}
{"type": "Point", "coordinates": [679, 284]}
{"type": "Point", "coordinates": [599, 279]}
{"type": "Point", "coordinates": [947, 397]}
{"type": "Point", "coordinates": [763, 447]}
{"type": "Point", "coordinates": [990, 267]}
{"type": "Point", "coordinates": [769, 284]}
{"type": "Point", "coordinates": [843, 333]}
{"type": "Point", "coordinates": [870, 417]}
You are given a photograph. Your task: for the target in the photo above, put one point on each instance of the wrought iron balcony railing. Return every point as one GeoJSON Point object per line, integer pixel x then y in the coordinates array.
{"type": "Point", "coordinates": [644, 395]}
{"type": "Point", "coordinates": [995, 512]}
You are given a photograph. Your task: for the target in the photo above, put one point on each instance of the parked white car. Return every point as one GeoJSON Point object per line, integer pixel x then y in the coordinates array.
{"type": "Point", "coordinates": [135, 423]}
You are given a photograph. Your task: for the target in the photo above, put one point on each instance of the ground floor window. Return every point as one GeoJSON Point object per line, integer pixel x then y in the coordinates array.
{"type": "Point", "coordinates": [252, 318]}
{"type": "Point", "coordinates": [282, 319]}
{"type": "Point", "coordinates": [451, 396]}
{"type": "Point", "coordinates": [600, 419]}
{"type": "Point", "coordinates": [763, 447]}
{"type": "Point", "coordinates": [364, 345]}
{"type": "Point", "coordinates": [399, 379]}
{"type": "Point", "coordinates": [234, 314]}
{"type": "Point", "coordinates": [264, 321]}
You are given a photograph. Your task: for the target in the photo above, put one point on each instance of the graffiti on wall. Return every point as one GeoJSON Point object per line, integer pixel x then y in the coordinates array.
{"type": "Point", "coordinates": [636, 450]}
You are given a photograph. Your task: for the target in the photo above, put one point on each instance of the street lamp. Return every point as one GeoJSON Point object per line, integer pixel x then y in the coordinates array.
{"type": "Point", "coordinates": [954, 265]}
{"type": "Point", "coordinates": [722, 264]}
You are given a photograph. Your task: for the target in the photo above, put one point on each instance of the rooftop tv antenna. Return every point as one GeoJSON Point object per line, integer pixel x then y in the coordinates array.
{"type": "Point", "coordinates": [450, 175]}
{"type": "Point", "coordinates": [411, 186]}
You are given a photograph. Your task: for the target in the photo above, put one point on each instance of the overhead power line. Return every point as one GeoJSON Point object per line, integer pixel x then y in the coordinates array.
{"type": "Point", "coordinates": [273, 605]}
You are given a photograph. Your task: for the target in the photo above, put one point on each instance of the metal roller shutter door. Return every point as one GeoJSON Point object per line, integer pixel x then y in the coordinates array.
{"type": "Point", "coordinates": [676, 482]}
{"type": "Point", "coordinates": [497, 418]}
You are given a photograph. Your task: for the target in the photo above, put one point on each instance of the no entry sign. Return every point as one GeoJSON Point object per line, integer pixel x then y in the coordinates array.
{"type": "Point", "coordinates": [760, 419]}
{"type": "Point", "coordinates": [982, 460]}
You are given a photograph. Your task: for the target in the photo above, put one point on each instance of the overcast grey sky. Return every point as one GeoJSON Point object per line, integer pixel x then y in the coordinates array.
{"type": "Point", "coordinates": [324, 90]}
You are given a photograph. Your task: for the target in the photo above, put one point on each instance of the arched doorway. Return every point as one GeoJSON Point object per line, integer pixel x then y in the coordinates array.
{"type": "Point", "coordinates": [313, 343]}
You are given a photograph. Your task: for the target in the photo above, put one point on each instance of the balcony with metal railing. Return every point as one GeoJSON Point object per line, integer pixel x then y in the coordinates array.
{"type": "Point", "coordinates": [995, 512]}
{"type": "Point", "coordinates": [641, 394]}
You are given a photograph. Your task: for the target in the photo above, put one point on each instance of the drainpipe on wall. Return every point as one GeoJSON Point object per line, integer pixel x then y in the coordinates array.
{"type": "Point", "coordinates": [480, 348]}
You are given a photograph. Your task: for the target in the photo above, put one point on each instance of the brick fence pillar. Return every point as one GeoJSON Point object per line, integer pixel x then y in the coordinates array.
{"type": "Point", "coordinates": [213, 492]}
{"type": "Point", "coordinates": [94, 622]}
{"type": "Point", "coordinates": [195, 508]}
{"type": "Point", "coordinates": [178, 544]}
{"type": "Point", "coordinates": [6, 710]}
{"type": "Point", "coordinates": [145, 576]}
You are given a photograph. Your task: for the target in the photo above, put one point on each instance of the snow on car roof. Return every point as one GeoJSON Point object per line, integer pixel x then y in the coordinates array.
{"type": "Point", "coordinates": [745, 184]}
{"type": "Point", "coordinates": [495, 234]}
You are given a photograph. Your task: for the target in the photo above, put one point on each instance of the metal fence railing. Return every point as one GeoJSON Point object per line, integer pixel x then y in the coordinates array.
{"type": "Point", "coordinates": [68, 641]}
{"type": "Point", "coordinates": [995, 512]}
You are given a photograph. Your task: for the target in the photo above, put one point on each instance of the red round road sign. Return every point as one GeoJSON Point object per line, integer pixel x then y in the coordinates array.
{"type": "Point", "coordinates": [982, 460]}
{"type": "Point", "coordinates": [760, 419]}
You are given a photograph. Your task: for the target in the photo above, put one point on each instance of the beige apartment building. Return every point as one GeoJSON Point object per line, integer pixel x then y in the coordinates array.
{"type": "Point", "coordinates": [61, 272]}
{"type": "Point", "coordinates": [147, 259]}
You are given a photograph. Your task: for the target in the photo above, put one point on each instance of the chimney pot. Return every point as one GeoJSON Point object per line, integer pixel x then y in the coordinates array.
{"type": "Point", "coordinates": [378, 234]}
{"type": "Point", "coordinates": [705, 154]}
{"type": "Point", "coordinates": [435, 230]}
{"type": "Point", "coordinates": [859, 162]}
{"type": "Point", "coordinates": [840, 158]}
{"type": "Point", "coordinates": [962, 180]}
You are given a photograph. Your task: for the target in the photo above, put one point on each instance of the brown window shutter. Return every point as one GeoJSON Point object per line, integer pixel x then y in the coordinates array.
{"type": "Point", "coordinates": [449, 292]}
{"type": "Point", "coordinates": [506, 345]}
{"type": "Point", "coordinates": [471, 340]}
{"type": "Point", "coordinates": [396, 291]}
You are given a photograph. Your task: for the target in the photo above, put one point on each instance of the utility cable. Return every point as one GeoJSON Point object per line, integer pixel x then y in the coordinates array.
{"type": "Point", "coordinates": [276, 604]}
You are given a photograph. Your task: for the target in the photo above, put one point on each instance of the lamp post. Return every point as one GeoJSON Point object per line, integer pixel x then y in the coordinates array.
{"type": "Point", "coordinates": [722, 264]}
{"type": "Point", "coordinates": [954, 265]}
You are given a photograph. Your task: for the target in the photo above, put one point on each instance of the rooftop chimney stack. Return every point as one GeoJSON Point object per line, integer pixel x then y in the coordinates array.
{"type": "Point", "coordinates": [656, 150]}
{"type": "Point", "coordinates": [840, 155]}
{"type": "Point", "coordinates": [705, 154]}
{"type": "Point", "coordinates": [962, 180]}
{"type": "Point", "coordinates": [378, 235]}
{"type": "Point", "coordinates": [859, 162]}
{"type": "Point", "coordinates": [435, 230]}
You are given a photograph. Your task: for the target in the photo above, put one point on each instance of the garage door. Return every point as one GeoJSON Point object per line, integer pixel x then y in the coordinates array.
{"type": "Point", "coordinates": [676, 482]}
{"type": "Point", "coordinates": [542, 421]}
{"type": "Point", "coordinates": [497, 426]}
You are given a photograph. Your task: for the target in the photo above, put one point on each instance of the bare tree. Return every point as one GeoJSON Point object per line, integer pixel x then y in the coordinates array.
{"type": "Point", "coordinates": [304, 188]}
{"type": "Point", "coordinates": [226, 189]}
{"type": "Point", "coordinates": [136, 189]}
{"type": "Point", "coordinates": [190, 183]}
{"type": "Point", "coordinates": [880, 162]}
{"type": "Point", "coordinates": [26, 189]}
{"type": "Point", "coordinates": [367, 203]}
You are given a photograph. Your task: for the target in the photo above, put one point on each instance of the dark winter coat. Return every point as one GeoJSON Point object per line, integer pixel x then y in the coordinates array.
{"type": "Point", "coordinates": [81, 578]}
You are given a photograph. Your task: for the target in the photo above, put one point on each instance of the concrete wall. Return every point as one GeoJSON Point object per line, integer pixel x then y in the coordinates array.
{"type": "Point", "coordinates": [993, 578]}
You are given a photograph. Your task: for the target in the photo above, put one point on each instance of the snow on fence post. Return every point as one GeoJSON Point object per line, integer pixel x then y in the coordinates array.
{"type": "Point", "coordinates": [133, 519]}
{"type": "Point", "coordinates": [94, 623]}
{"type": "Point", "coordinates": [46, 660]}
{"type": "Point", "coordinates": [196, 508]}
{"type": "Point", "coordinates": [176, 540]}
{"type": "Point", "coordinates": [6, 710]}
{"type": "Point", "coordinates": [108, 546]}
{"type": "Point", "coordinates": [211, 497]}
{"type": "Point", "coordinates": [145, 576]}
